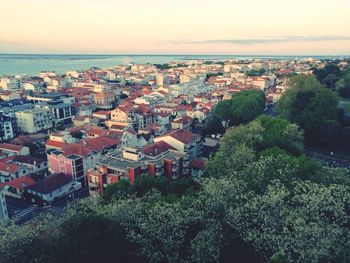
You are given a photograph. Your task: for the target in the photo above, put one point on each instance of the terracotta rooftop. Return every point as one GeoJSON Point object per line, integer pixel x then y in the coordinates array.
{"type": "Point", "coordinates": [8, 167]}
{"type": "Point", "coordinates": [55, 144]}
{"type": "Point", "coordinates": [156, 148]}
{"type": "Point", "coordinates": [183, 136]}
{"type": "Point", "coordinates": [21, 182]}
{"type": "Point", "coordinates": [86, 146]}
{"type": "Point", "coordinates": [184, 119]}
{"type": "Point", "coordinates": [51, 183]}
{"type": "Point", "coordinates": [10, 147]}
{"type": "Point", "coordinates": [197, 163]}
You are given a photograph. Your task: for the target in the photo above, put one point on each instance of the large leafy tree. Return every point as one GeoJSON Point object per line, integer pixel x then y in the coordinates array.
{"type": "Point", "coordinates": [328, 75]}
{"type": "Point", "coordinates": [213, 126]}
{"type": "Point", "coordinates": [343, 85]}
{"type": "Point", "coordinates": [244, 106]}
{"type": "Point", "coordinates": [281, 133]}
{"type": "Point", "coordinates": [308, 104]}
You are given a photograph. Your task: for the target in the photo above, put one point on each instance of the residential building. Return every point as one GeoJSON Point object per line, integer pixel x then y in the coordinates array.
{"type": "Point", "coordinates": [36, 120]}
{"type": "Point", "coordinates": [124, 115]}
{"type": "Point", "coordinates": [75, 159]}
{"type": "Point", "coordinates": [35, 165]}
{"type": "Point", "coordinates": [105, 100]}
{"type": "Point", "coordinates": [197, 167]}
{"type": "Point", "coordinates": [34, 84]}
{"type": "Point", "coordinates": [158, 159]}
{"type": "Point", "coordinates": [52, 188]}
{"type": "Point", "coordinates": [9, 171]}
{"type": "Point", "coordinates": [4, 217]}
{"type": "Point", "coordinates": [62, 112]}
{"type": "Point", "coordinates": [8, 127]}
{"type": "Point", "coordinates": [11, 84]}
{"type": "Point", "coordinates": [45, 97]}
{"type": "Point", "coordinates": [131, 138]}
{"type": "Point", "coordinates": [16, 187]}
{"type": "Point", "coordinates": [183, 122]}
{"type": "Point", "coordinates": [9, 149]}
{"type": "Point", "coordinates": [185, 142]}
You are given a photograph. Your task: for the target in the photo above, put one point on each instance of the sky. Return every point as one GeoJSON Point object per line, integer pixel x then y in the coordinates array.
{"type": "Point", "coordinates": [240, 27]}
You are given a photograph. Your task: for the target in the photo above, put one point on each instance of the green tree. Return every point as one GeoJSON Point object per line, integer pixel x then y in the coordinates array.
{"type": "Point", "coordinates": [328, 75]}
{"type": "Point", "coordinates": [281, 133]}
{"type": "Point", "coordinates": [224, 110]}
{"type": "Point", "coordinates": [343, 85]}
{"type": "Point", "coordinates": [308, 104]}
{"type": "Point", "coordinates": [92, 237]}
{"type": "Point", "coordinates": [213, 126]}
{"type": "Point", "coordinates": [244, 106]}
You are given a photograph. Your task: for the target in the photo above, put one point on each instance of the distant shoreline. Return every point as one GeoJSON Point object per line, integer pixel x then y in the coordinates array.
{"type": "Point", "coordinates": [33, 64]}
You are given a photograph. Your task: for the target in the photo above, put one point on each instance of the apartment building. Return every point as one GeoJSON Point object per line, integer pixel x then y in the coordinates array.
{"type": "Point", "coordinates": [3, 208]}
{"type": "Point", "coordinates": [157, 159]}
{"type": "Point", "coordinates": [7, 127]}
{"type": "Point", "coordinates": [186, 143]}
{"type": "Point", "coordinates": [36, 120]}
{"type": "Point", "coordinates": [62, 113]}
{"type": "Point", "coordinates": [75, 159]}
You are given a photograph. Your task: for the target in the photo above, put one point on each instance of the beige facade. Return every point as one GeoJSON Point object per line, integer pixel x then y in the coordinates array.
{"type": "Point", "coordinates": [33, 121]}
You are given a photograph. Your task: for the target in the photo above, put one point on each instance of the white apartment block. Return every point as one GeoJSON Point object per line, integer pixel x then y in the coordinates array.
{"type": "Point", "coordinates": [191, 88]}
{"type": "Point", "coordinates": [33, 121]}
{"type": "Point", "coordinates": [6, 130]}
{"type": "Point", "coordinates": [3, 208]}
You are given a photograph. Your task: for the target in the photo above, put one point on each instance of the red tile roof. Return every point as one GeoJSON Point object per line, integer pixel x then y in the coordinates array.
{"type": "Point", "coordinates": [98, 131]}
{"type": "Point", "coordinates": [86, 146]}
{"type": "Point", "coordinates": [197, 163]}
{"type": "Point", "coordinates": [183, 136]}
{"type": "Point", "coordinates": [156, 148]}
{"type": "Point", "coordinates": [55, 144]}
{"type": "Point", "coordinates": [118, 127]}
{"type": "Point", "coordinates": [8, 167]}
{"type": "Point", "coordinates": [102, 112]}
{"type": "Point", "coordinates": [184, 119]}
{"type": "Point", "coordinates": [21, 182]}
{"type": "Point", "coordinates": [51, 183]}
{"type": "Point", "coordinates": [125, 108]}
{"type": "Point", "coordinates": [10, 147]}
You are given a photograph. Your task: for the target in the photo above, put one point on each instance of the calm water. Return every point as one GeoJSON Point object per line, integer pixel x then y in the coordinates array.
{"type": "Point", "coordinates": [12, 64]}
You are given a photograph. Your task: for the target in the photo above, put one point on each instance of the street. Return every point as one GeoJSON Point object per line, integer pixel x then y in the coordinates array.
{"type": "Point", "coordinates": [22, 211]}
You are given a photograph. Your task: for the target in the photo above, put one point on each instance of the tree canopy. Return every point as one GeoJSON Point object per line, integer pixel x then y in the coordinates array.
{"type": "Point", "coordinates": [309, 104]}
{"type": "Point", "coordinates": [343, 85]}
{"type": "Point", "coordinates": [263, 201]}
{"type": "Point", "coordinates": [328, 75]}
{"type": "Point", "coordinates": [244, 106]}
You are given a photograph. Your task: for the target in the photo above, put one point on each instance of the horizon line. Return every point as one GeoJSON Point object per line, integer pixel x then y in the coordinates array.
{"type": "Point", "coordinates": [151, 54]}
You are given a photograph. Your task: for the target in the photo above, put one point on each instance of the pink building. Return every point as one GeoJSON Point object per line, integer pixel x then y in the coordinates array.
{"type": "Point", "coordinates": [75, 159]}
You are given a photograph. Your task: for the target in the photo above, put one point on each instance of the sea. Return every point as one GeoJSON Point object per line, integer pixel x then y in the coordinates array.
{"type": "Point", "coordinates": [33, 64]}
